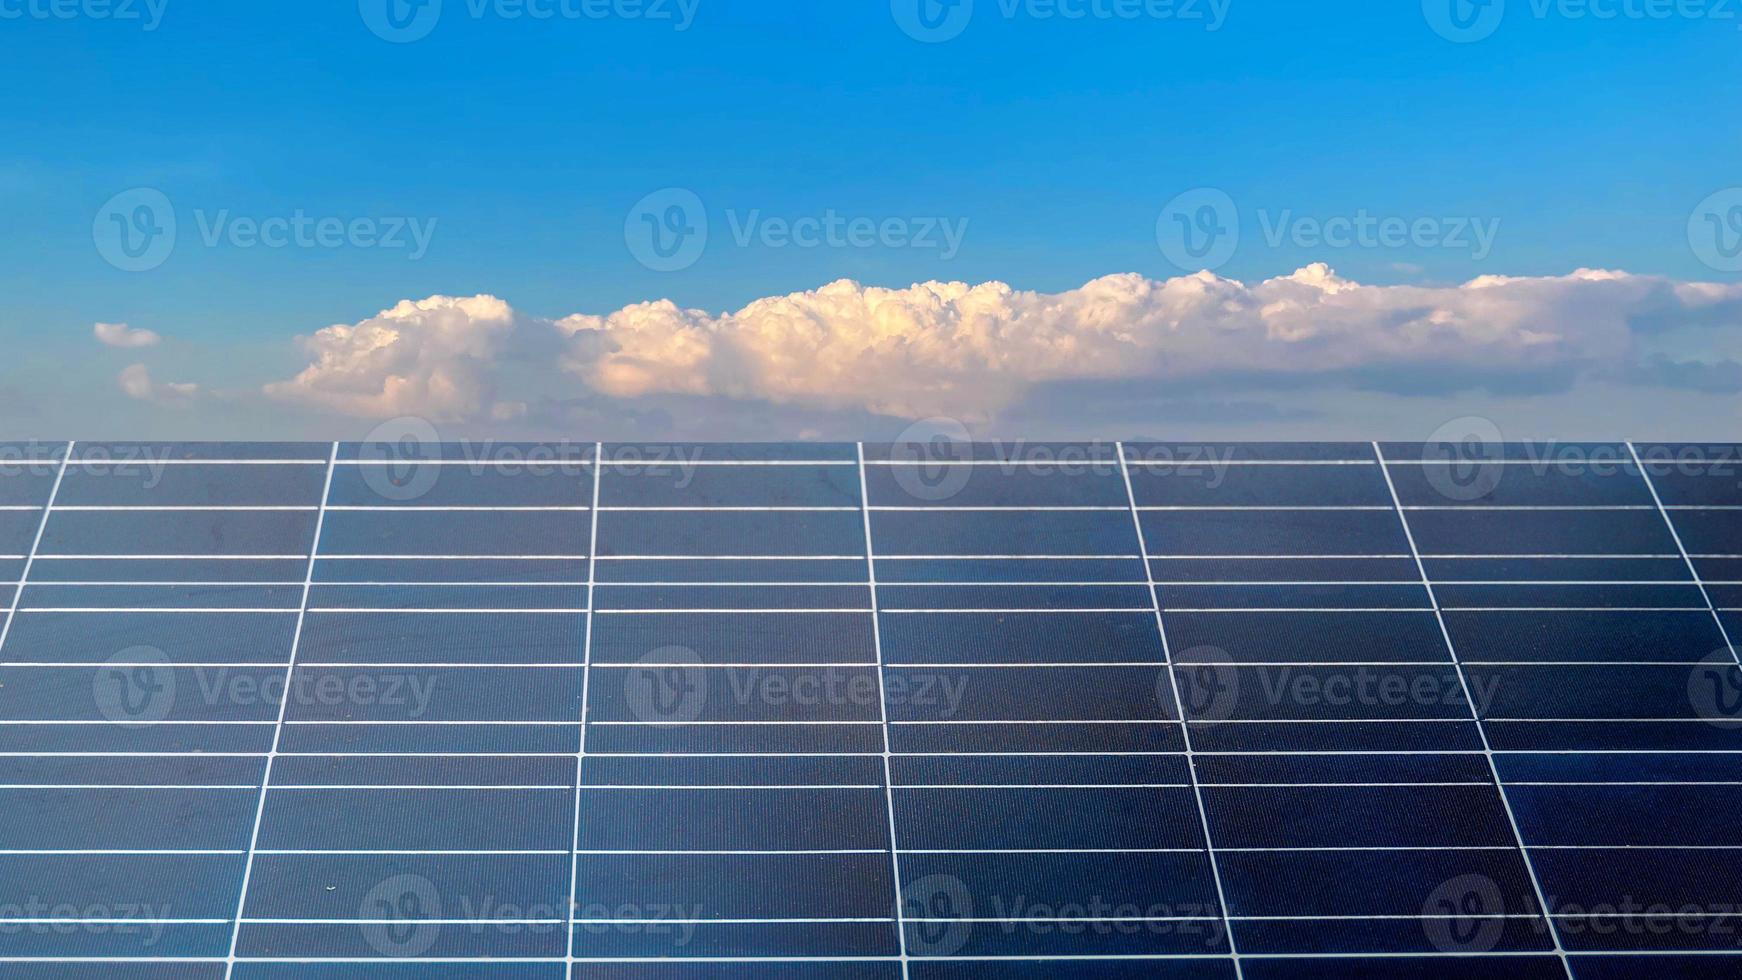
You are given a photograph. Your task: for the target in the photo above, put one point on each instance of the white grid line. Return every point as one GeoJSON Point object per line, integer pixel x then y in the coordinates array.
{"type": "Point", "coordinates": [278, 729]}
{"type": "Point", "coordinates": [1487, 748]}
{"type": "Point", "coordinates": [35, 545]}
{"type": "Point", "coordinates": [586, 676]}
{"type": "Point", "coordinates": [883, 717]}
{"type": "Point", "coordinates": [1185, 730]}
{"type": "Point", "coordinates": [1692, 570]}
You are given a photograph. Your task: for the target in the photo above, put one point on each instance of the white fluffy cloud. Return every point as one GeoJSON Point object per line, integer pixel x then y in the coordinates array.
{"type": "Point", "coordinates": [136, 383]}
{"type": "Point", "coordinates": [431, 357]}
{"type": "Point", "coordinates": [122, 335]}
{"type": "Point", "coordinates": [973, 350]}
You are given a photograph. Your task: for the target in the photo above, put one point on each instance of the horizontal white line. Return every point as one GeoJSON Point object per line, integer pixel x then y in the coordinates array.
{"type": "Point", "coordinates": [169, 508]}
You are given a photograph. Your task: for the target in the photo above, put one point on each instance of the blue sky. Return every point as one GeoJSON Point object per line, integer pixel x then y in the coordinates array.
{"type": "Point", "coordinates": [522, 145]}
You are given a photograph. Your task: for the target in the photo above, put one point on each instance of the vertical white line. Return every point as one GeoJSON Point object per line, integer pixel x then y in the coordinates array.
{"type": "Point", "coordinates": [1476, 716]}
{"type": "Point", "coordinates": [1695, 572]}
{"type": "Point", "coordinates": [283, 707]}
{"type": "Point", "coordinates": [586, 677]}
{"type": "Point", "coordinates": [1180, 709]}
{"type": "Point", "coordinates": [35, 543]}
{"type": "Point", "coordinates": [883, 713]}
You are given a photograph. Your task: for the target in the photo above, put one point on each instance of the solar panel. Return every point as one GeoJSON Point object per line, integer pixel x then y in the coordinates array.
{"type": "Point", "coordinates": [631, 712]}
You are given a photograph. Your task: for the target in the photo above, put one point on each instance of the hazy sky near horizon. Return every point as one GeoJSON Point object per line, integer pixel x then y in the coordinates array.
{"type": "Point", "coordinates": [642, 219]}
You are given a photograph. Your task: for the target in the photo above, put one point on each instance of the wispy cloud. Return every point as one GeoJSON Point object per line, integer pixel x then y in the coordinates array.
{"type": "Point", "coordinates": [136, 382]}
{"type": "Point", "coordinates": [122, 335]}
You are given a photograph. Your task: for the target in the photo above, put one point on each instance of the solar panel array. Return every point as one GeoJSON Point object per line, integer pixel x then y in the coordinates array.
{"type": "Point", "coordinates": [828, 710]}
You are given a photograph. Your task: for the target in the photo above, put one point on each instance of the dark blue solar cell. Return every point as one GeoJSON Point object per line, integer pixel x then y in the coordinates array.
{"type": "Point", "coordinates": [422, 770]}
{"type": "Point", "coordinates": [1709, 532]}
{"type": "Point", "coordinates": [1012, 533]}
{"type": "Point", "coordinates": [1246, 533]}
{"type": "Point", "coordinates": [1260, 486]}
{"type": "Point", "coordinates": [192, 533]}
{"type": "Point", "coordinates": [1304, 637]}
{"type": "Point", "coordinates": [1200, 968]}
{"type": "Point", "coordinates": [1583, 636]}
{"type": "Point", "coordinates": [1025, 770]}
{"type": "Point", "coordinates": [139, 693]}
{"type": "Point", "coordinates": [1212, 571]}
{"type": "Point", "coordinates": [728, 819]}
{"type": "Point", "coordinates": [429, 694]}
{"type": "Point", "coordinates": [471, 637]}
{"type": "Point", "coordinates": [725, 598]}
{"type": "Point", "coordinates": [145, 453]}
{"type": "Point", "coordinates": [1339, 937]}
{"type": "Point", "coordinates": [18, 531]}
{"type": "Point", "coordinates": [1007, 637]}
{"type": "Point", "coordinates": [1028, 818]}
{"type": "Point", "coordinates": [1365, 816]}
{"type": "Point", "coordinates": [436, 570]}
{"type": "Point", "coordinates": [187, 597]}
{"type": "Point", "coordinates": [683, 693]}
{"type": "Point", "coordinates": [510, 534]}
{"type": "Point", "coordinates": [1619, 877]}
{"type": "Point", "coordinates": [1016, 597]}
{"type": "Point", "coordinates": [126, 819]}
{"type": "Point", "coordinates": [167, 637]}
{"type": "Point", "coordinates": [482, 485]}
{"type": "Point", "coordinates": [725, 637]}
{"type": "Point", "coordinates": [1496, 485]}
{"type": "Point", "coordinates": [736, 886]}
{"type": "Point", "coordinates": [1243, 596]}
{"type": "Point", "coordinates": [1016, 693]}
{"type": "Point", "coordinates": [1031, 736]}
{"type": "Point", "coordinates": [386, 598]}
{"type": "Point", "coordinates": [192, 485]}
{"type": "Point", "coordinates": [1059, 454]}
{"type": "Point", "coordinates": [1572, 532]}
{"type": "Point", "coordinates": [731, 534]}
{"type": "Point", "coordinates": [1616, 815]}
{"type": "Point", "coordinates": [1552, 454]}
{"type": "Point", "coordinates": [1667, 568]}
{"type": "Point", "coordinates": [246, 970]}
{"type": "Point", "coordinates": [536, 884]}
{"type": "Point", "coordinates": [772, 770]}
{"type": "Point", "coordinates": [454, 819]}
{"type": "Point", "coordinates": [1300, 768]}
{"type": "Point", "coordinates": [1415, 735]}
{"type": "Point", "coordinates": [1156, 453]}
{"type": "Point", "coordinates": [629, 454]}
{"type": "Point", "coordinates": [290, 571]}
{"type": "Point", "coordinates": [731, 571]}
{"type": "Point", "coordinates": [26, 485]}
{"type": "Point", "coordinates": [905, 570]}
{"type": "Point", "coordinates": [730, 486]}
{"type": "Point", "coordinates": [1597, 691]}
{"type": "Point", "coordinates": [1098, 484]}
{"type": "Point", "coordinates": [1572, 596]}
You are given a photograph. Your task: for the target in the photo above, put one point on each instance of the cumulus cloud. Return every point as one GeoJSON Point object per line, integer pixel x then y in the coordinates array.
{"type": "Point", "coordinates": [974, 350]}
{"type": "Point", "coordinates": [136, 383]}
{"type": "Point", "coordinates": [431, 357]}
{"type": "Point", "coordinates": [122, 335]}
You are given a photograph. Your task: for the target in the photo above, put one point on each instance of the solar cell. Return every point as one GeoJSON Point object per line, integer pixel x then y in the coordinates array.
{"type": "Point", "coordinates": [1260, 711]}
